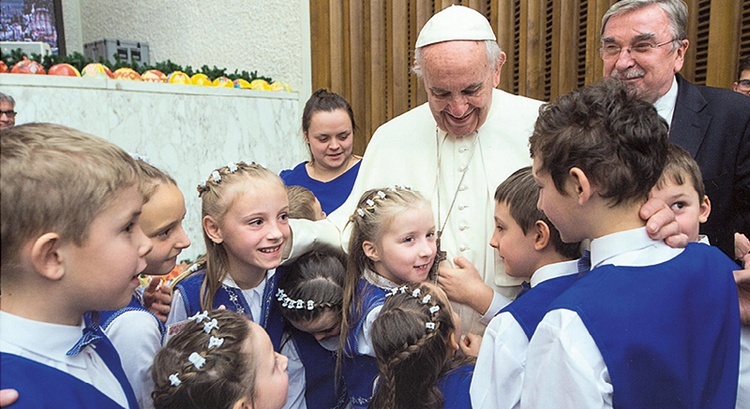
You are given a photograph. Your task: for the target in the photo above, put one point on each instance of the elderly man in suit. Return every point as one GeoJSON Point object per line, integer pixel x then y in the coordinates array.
{"type": "Point", "coordinates": [644, 43]}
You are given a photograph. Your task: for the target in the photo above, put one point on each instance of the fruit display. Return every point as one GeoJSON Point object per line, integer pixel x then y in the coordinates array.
{"type": "Point", "coordinates": [27, 66]}
{"type": "Point", "coordinates": [96, 70]}
{"type": "Point", "coordinates": [63, 70]}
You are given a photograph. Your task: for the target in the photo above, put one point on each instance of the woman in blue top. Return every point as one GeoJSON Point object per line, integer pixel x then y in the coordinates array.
{"type": "Point", "coordinates": [328, 126]}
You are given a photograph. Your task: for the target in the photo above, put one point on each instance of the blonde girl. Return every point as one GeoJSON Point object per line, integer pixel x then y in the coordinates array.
{"type": "Point", "coordinates": [415, 340]}
{"type": "Point", "coordinates": [219, 359]}
{"type": "Point", "coordinates": [135, 332]}
{"type": "Point", "coordinates": [392, 243]}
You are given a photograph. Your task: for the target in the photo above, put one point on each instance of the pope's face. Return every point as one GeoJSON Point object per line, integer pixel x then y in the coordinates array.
{"type": "Point", "coordinates": [459, 80]}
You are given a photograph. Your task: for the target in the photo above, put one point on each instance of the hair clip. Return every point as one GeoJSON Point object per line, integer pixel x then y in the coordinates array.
{"type": "Point", "coordinates": [426, 299]}
{"type": "Point", "coordinates": [402, 290]}
{"type": "Point", "coordinates": [199, 317]}
{"type": "Point", "coordinates": [369, 202]}
{"type": "Point", "coordinates": [208, 326]}
{"type": "Point", "coordinates": [142, 158]}
{"type": "Point", "coordinates": [197, 360]}
{"type": "Point", "coordinates": [174, 379]}
{"type": "Point", "coordinates": [215, 342]}
{"type": "Point", "coordinates": [300, 304]}
{"type": "Point", "coordinates": [280, 295]}
{"type": "Point", "coordinates": [429, 325]}
{"type": "Point", "coordinates": [361, 212]}
{"type": "Point", "coordinates": [416, 293]}
{"type": "Point", "coordinates": [394, 290]}
{"type": "Point", "coordinates": [310, 305]}
{"type": "Point", "coordinates": [232, 167]}
{"type": "Point", "coordinates": [216, 176]}
{"type": "Point", "coordinates": [285, 303]}
{"type": "Point", "coordinates": [434, 309]}
{"type": "Point", "coordinates": [381, 194]}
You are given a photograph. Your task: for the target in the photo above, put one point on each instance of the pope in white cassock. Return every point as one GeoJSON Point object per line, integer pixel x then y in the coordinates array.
{"type": "Point", "coordinates": [455, 150]}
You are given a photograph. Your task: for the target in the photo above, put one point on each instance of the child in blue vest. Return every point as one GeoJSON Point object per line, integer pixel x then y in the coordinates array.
{"type": "Point", "coordinates": [530, 248]}
{"type": "Point", "coordinates": [71, 243]}
{"type": "Point", "coordinates": [245, 228]}
{"type": "Point", "coordinates": [135, 332]}
{"type": "Point", "coordinates": [415, 338]}
{"type": "Point", "coordinates": [219, 359]}
{"type": "Point", "coordinates": [649, 325]}
{"type": "Point", "coordinates": [310, 295]}
{"type": "Point", "coordinates": [392, 243]}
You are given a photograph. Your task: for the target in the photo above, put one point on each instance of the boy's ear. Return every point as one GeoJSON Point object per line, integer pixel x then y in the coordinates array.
{"type": "Point", "coordinates": [541, 235]}
{"type": "Point", "coordinates": [371, 250]}
{"type": "Point", "coordinates": [212, 229]}
{"type": "Point", "coordinates": [452, 342]}
{"type": "Point", "coordinates": [243, 403]}
{"type": "Point", "coordinates": [705, 209]}
{"type": "Point", "coordinates": [581, 185]}
{"type": "Point", "coordinates": [47, 257]}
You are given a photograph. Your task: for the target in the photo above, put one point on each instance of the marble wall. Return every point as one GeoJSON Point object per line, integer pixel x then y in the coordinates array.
{"type": "Point", "coordinates": [186, 130]}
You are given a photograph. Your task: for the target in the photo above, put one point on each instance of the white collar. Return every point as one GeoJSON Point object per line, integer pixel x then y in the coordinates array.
{"type": "Point", "coordinates": [554, 270]}
{"type": "Point", "coordinates": [666, 103]}
{"type": "Point", "coordinates": [229, 281]}
{"type": "Point", "coordinates": [52, 341]}
{"type": "Point", "coordinates": [607, 247]}
{"type": "Point", "coordinates": [378, 280]}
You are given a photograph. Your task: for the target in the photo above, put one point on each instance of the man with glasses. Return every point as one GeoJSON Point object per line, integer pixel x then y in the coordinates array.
{"type": "Point", "coordinates": [7, 111]}
{"type": "Point", "coordinates": [644, 43]}
{"type": "Point", "coordinates": [743, 78]}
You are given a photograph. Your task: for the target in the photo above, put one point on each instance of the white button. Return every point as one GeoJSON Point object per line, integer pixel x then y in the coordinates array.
{"type": "Point", "coordinates": [462, 168]}
{"type": "Point", "coordinates": [463, 227]}
{"type": "Point", "coordinates": [463, 149]}
{"type": "Point", "coordinates": [463, 248]}
{"type": "Point", "coordinates": [462, 207]}
{"type": "Point", "coordinates": [463, 187]}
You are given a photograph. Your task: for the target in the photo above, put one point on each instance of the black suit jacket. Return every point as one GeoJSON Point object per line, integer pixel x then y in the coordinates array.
{"type": "Point", "coordinates": [713, 124]}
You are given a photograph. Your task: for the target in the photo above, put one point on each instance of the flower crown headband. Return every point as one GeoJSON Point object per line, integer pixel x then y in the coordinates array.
{"type": "Point", "coordinates": [215, 177]}
{"type": "Point", "coordinates": [369, 205]}
{"type": "Point", "coordinates": [198, 359]}
{"type": "Point", "coordinates": [294, 304]}
{"type": "Point", "coordinates": [417, 293]}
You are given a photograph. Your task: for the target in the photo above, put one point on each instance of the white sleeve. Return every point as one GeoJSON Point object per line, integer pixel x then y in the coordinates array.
{"type": "Point", "coordinates": [743, 392]}
{"type": "Point", "coordinates": [137, 339]}
{"type": "Point", "coordinates": [499, 302]}
{"type": "Point", "coordinates": [308, 235]}
{"type": "Point", "coordinates": [564, 368]}
{"type": "Point", "coordinates": [296, 391]}
{"type": "Point", "coordinates": [364, 337]}
{"type": "Point", "coordinates": [177, 312]}
{"type": "Point", "coordinates": [498, 375]}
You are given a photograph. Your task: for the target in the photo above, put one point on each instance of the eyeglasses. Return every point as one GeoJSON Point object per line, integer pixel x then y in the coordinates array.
{"type": "Point", "coordinates": [9, 114]}
{"type": "Point", "coordinates": [613, 50]}
{"type": "Point", "coordinates": [744, 83]}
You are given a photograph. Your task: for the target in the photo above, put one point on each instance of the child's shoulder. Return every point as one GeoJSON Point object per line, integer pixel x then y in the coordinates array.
{"type": "Point", "coordinates": [42, 386]}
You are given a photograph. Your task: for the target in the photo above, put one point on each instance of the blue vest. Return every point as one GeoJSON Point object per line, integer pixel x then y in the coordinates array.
{"type": "Point", "coordinates": [106, 318]}
{"type": "Point", "coordinates": [232, 298]}
{"type": "Point", "coordinates": [42, 386]}
{"type": "Point", "coordinates": [669, 333]}
{"type": "Point", "coordinates": [454, 386]}
{"type": "Point", "coordinates": [529, 310]}
{"type": "Point", "coordinates": [360, 370]}
{"type": "Point", "coordinates": [320, 369]}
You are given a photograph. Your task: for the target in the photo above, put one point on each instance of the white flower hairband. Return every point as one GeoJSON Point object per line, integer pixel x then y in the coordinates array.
{"type": "Point", "coordinates": [216, 177]}
{"type": "Point", "coordinates": [292, 304]}
{"type": "Point", "coordinates": [417, 293]}
{"type": "Point", "coordinates": [195, 358]}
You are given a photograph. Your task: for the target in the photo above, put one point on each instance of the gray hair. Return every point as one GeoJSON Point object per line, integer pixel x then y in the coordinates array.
{"type": "Point", "coordinates": [7, 98]}
{"type": "Point", "coordinates": [494, 56]}
{"type": "Point", "coordinates": [676, 10]}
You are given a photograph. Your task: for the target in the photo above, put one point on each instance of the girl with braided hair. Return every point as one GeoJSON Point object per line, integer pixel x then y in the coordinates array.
{"type": "Point", "coordinates": [219, 359]}
{"type": "Point", "coordinates": [245, 227]}
{"type": "Point", "coordinates": [415, 340]}
{"type": "Point", "coordinates": [392, 243]}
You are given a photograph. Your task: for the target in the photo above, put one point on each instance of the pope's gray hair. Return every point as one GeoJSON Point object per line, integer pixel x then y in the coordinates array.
{"type": "Point", "coordinates": [494, 56]}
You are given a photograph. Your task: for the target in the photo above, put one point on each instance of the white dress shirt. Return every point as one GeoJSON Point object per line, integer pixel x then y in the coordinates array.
{"type": "Point", "coordinates": [499, 371]}
{"type": "Point", "coordinates": [48, 344]}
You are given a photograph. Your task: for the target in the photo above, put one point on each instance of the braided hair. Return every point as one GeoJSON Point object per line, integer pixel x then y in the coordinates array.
{"type": "Point", "coordinates": [413, 337]}
{"type": "Point", "coordinates": [315, 280]}
{"type": "Point", "coordinates": [222, 379]}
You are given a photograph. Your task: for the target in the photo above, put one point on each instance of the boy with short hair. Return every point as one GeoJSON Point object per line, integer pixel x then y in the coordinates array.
{"type": "Point", "coordinates": [681, 188]}
{"type": "Point", "coordinates": [648, 326]}
{"type": "Point", "coordinates": [530, 248]}
{"type": "Point", "coordinates": [71, 243]}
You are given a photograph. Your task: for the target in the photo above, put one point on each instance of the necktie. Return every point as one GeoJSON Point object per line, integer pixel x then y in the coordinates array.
{"type": "Point", "coordinates": [92, 333]}
{"type": "Point", "coordinates": [525, 287]}
{"type": "Point", "coordinates": [584, 263]}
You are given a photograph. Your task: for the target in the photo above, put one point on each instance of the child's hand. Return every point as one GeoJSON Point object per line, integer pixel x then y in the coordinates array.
{"type": "Point", "coordinates": [661, 223]}
{"type": "Point", "coordinates": [741, 247]}
{"type": "Point", "coordinates": [470, 344]}
{"type": "Point", "coordinates": [7, 397]}
{"type": "Point", "coordinates": [742, 278]}
{"type": "Point", "coordinates": [464, 285]}
{"type": "Point", "coordinates": [158, 299]}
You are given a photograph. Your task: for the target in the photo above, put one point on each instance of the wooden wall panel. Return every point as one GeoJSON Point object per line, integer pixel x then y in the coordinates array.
{"type": "Point", "coordinates": [365, 50]}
